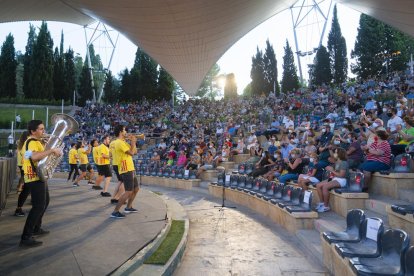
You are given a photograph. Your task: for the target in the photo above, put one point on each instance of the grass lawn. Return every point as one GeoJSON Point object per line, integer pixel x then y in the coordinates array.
{"type": "Point", "coordinates": [168, 245]}
{"type": "Point", "coordinates": [7, 115]}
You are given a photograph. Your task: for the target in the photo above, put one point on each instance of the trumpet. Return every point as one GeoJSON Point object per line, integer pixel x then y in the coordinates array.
{"type": "Point", "coordinates": [140, 136]}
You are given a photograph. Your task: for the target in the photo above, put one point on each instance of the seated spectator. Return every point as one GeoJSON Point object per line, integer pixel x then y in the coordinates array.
{"type": "Point", "coordinates": [195, 161]}
{"type": "Point", "coordinates": [239, 148]}
{"type": "Point", "coordinates": [223, 156]}
{"type": "Point", "coordinates": [337, 179]}
{"type": "Point", "coordinates": [354, 152]}
{"type": "Point", "coordinates": [309, 148]}
{"type": "Point", "coordinates": [170, 160]}
{"type": "Point", "coordinates": [378, 157]}
{"type": "Point", "coordinates": [182, 159]}
{"type": "Point", "coordinates": [294, 166]}
{"type": "Point", "coordinates": [277, 168]}
{"type": "Point", "coordinates": [407, 136]}
{"type": "Point", "coordinates": [287, 124]}
{"type": "Point", "coordinates": [155, 159]}
{"type": "Point", "coordinates": [263, 165]}
{"type": "Point", "coordinates": [272, 146]}
{"type": "Point", "coordinates": [304, 126]}
{"type": "Point", "coordinates": [394, 121]}
{"type": "Point", "coordinates": [314, 174]}
{"type": "Point", "coordinates": [251, 140]}
{"type": "Point", "coordinates": [207, 163]}
{"type": "Point", "coordinates": [323, 146]}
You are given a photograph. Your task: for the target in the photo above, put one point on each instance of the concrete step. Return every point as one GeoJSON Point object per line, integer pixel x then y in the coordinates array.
{"type": "Point", "coordinates": [406, 195]}
{"type": "Point", "coordinates": [330, 221]}
{"type": "Point", "coordinates": [311, 242]}
{"type": "Point", "coordinates": [377, 203]}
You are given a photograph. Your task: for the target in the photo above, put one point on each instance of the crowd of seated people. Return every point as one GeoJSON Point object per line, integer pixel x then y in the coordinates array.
{"type": "Point", "coordinates": [319, 128]}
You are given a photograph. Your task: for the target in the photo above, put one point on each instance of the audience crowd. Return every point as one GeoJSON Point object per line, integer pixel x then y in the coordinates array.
{"type": "Point", "coordinates": [328, 131]}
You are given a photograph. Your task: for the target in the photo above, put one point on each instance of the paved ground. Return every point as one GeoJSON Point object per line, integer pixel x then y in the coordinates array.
{"type": "Point", "coordinates": [236, 241]}
{"type": "Point", "coordinates": [83, 239]}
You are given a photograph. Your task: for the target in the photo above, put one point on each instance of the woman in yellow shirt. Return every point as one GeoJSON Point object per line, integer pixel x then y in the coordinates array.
{"type": "Point", "coordinates": [73, 161]}
{"type": "Point", "coordinates": [83, 151]}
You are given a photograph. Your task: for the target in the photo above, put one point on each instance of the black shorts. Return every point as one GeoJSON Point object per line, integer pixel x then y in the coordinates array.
{"type": "Point", "coordinates": [115, 167]}
{"type": "Point", "coordinates": [82, 167]}
{"type": "Point", "coordinates": [130, 181]}
{"type": "Point", "coordinates": [104, 170]}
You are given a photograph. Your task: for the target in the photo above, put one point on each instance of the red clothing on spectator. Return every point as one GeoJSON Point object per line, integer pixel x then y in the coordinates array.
{"type": "Point", "coordinates": [383, 146]}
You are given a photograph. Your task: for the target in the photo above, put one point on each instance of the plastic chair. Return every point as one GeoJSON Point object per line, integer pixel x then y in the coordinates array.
{"type": "Point", "coordinates": [370, 244]}
{"type": "Point", "coordinates": [409, 261]}
{"type": "Point", "coordinates": [391, 261]}
{"type": "Point", "coordinates": [402, 163]}
{"type": "Point", "coordinates": [403, 209]}
{"type": "Point", "coordinates": [220, 178]}
{"type": "Point", "coordinates": [354, 219]}
{"type": "Point", "coordinates": [285, 195]}
{"type": "Point", "coordinates": [294, 199]}
{"type": "Point", "coordinates": [241, 183]}
{"type": "Point", "coordinates": [270, 189]}
{"type": "Point", "coordinates": [305, 203]}
{"type": "Point", "coordinates": [234, 180]}
{"type": "Point", "coordinates": [355, 183]}
{"type": "Point", "coordinates": [241, 168]}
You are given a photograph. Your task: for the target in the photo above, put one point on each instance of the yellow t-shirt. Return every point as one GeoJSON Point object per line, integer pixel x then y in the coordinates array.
{"type": "Point", "coordinates": [103, 150]}
{"type": "Point", "coordinates": [30, 174]}
{"type": "Point", "coordinates": [125, 160]}
{"type": "Point", "coordinates": [73, 156]}
{"type": "Point", "coordinates": [19, 157]}
{"type": "Point", "coordinates": [114, 155]}
{"type": "Point", "coordinates": [95, 155]}
{"type": "Point", "coordinates": [83, 156]}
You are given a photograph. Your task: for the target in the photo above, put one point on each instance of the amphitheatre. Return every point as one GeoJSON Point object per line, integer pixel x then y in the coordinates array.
{"type": "Point", "coordinates": [263, 235]}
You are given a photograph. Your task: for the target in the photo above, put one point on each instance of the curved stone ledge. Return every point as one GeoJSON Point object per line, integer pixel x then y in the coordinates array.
{"type": "Point", "coordinates": [170, 182]}
{"type": "Point", "coordinates": [389, 185]}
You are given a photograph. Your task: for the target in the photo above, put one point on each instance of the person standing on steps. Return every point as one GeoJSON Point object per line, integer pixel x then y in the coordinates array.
{"type": "Point", "coordinates": [104, 169]}
{"type": "Point", "coordinates": [73, 162]}
{"type": "Point", "coordinates": [33, 152]}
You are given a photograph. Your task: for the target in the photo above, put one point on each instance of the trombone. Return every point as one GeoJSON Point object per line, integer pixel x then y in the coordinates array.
{"type": "Point", "coordinates": [139, 137]}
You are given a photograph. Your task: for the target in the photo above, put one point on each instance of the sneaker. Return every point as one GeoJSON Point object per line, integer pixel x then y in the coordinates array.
{"type": "Point", "coordinates": [30, 243]}
{"type": "Point", "coordinates": [114, 201]}
{"type": "Point", "coordinates": [74, 184]}
{"type": "Point", "coordinates": [90, 183]}
{"type": "Point", "coordinates": [323, 209]}
{"type": "Point", "coordinates": [130, 210]}
{"type": "Point", "coordinates": [117, 215]}
{"type": "Point", "coordinates": [19, 213]}
{"type": "Point", "coordinates": [319, 205]}
{"type": "Point", "coordinates": [105, 194]}
{"type": "Point", "coordinates": [40, 232]}
{"type": "Point", "coordinates": [97, 187]}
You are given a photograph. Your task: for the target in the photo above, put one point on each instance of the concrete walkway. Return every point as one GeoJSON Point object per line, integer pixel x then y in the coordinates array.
{"type": "Point", "coordinates": [84, 240]}
{"type": "Point", "coordinates": [236, 241]}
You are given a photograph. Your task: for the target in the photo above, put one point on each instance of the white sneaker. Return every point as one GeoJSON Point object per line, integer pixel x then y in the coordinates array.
{"type": "Point", "coordinates": [319, 205]}
{"type": "Point", "coordinates": [323, 209]}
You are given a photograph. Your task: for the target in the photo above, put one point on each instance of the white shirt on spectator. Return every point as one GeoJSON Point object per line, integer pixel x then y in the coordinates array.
{"type": "Point", "coordinates": [393, 122]}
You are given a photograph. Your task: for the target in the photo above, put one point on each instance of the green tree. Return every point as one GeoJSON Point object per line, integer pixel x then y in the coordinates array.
{"type": "Point", "coordinates": [290, 80]}
{"type": "Point", "coordinates": [337, 51]}
{"type": "Point", "coordinates": [85, 91]}
{"type": "Point", "coordinates": [210, 86]}
{"type": "Point", "coordinates": [69, 75]}
{"type": "Point", "coordinates": [28, 66]}
{"type": "Point", "coordinates": [368, 47]}
{"type": "Point", "coordinates": [8, 65]}
{"type": "Point", "coordinates": [43, 64]}
{"type": "Point", "coordinates": [321, 70]}
{"type": "Point", "coordinates": [144, 75]}
{"type": "Point", "coordinates": [78, 61]}
{"type": "Point", "coordinates": [19, 74]}
{"type": "Point", "coordinates": [247, 91]}
{"type": "Point", "coordinates": [257, 74]}
{"type": "Point", "coordinates": [270, 69]}
{"type": "Point", "coordinates": [165, 85]}
{"type": "Point", "coordinates": [126, 89]}
{"type": "Point", "coordinates": [230, 89]}
{"type": "Point", "coordinates": [111, 93]}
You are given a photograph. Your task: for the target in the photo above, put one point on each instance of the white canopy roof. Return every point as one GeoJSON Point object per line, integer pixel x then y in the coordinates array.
{"type": "Point", "coordinates": [186, 36]}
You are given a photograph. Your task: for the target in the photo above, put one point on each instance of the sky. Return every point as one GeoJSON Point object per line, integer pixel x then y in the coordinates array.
{"type": "Point", "coordinates": [236, 60]}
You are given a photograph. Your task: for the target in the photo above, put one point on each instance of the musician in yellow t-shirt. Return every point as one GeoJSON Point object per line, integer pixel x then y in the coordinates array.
{"type": "Point", "coordinates": [104, 169]}
{"type": "Point", "coordinates": [33, 152]}
{"type": "Point", "coordinates": [119, 190]}
{"type": "Point", "coordinates": [124, 152]}
{"type": "Point", "coordinates": [83, 151]}
{"type": "Point", "coordinates": [73, 161]}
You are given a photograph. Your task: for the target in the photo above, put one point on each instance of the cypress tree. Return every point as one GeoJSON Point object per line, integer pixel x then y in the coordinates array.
{"type": "Point", "coordinates": [126, 90]}
{"type": "Point", "coordinates": [165, 85]}
{"type": "Point", "coordinates": [43, 64]}
{"type": "Point", "coordinates": [337, 51]}
{"type": "Point", "coordinates": [290, 80]}
{"type": "Point", "coordinates": [69, 75]}
{"type": "Point", "coordinates": [270, 69]}
{"type": "Point", "coordinates": [85, 91]}
{"type": "Point", "coordinates": [257, 74]}
{"type": "Point", "coordinates": [28, 66]}
{"type": "Point", "coordinates": [321, 71]}
{"type": "Point", "coordinates": [111, 94]}
{"type": "Point", "coordinates": [8, 65]}
{"type": "Point", "coordinates": [58, 76]}
{"type": "Point", "coordinates": [230, 89]}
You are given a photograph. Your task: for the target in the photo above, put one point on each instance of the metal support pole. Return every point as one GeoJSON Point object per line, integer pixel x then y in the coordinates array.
{"type": "Point", "coordinates": [296, 45]}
